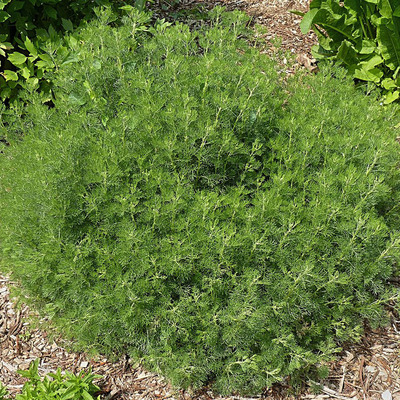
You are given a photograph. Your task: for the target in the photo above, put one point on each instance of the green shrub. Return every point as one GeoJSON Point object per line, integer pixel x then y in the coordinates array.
{"type": "Point", "coordinates": [176, 204]}
{"type": "Point", "coordinates": [362, 36]}
{"type": "Point", "coordinates": [55, 386]}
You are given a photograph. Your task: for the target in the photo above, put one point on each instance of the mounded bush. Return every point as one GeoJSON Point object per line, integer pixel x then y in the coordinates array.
{"type": "Point", "coordinates": [180, 204]}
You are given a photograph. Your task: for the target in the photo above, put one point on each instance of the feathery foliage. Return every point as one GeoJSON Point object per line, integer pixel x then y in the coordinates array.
{"type": "Point", "coordinates": [178, 205]}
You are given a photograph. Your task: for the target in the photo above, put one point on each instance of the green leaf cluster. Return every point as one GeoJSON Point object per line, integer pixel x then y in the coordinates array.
{"type": "Point", "coordinates": [55, 386]}
{"type": "Point", "coordinates": [182, 204]}
{"type": "Point", "coordinates": [32, 33]}
{"type": "Point", "coordinates": [3, 392]}
{"type": "Point", "coordinates": [361, 35]}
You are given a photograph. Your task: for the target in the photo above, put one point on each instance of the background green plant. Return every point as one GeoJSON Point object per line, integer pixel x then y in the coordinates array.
{"type": "Point", "coordinates": [3, 392]}
{"type": "Point", "coordinates": [361, 35]}
{"type": "Point", "coordinates": [55, 386]}
{"type": "Point", "coordinates": [32, 32]}
{"type": "Point", "coordinates": [177, 205]}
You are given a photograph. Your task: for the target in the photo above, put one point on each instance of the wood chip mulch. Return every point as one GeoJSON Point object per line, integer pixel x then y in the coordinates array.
{"type": "Point", "coordinates": [280, 23]}
{"type": "Point", "coordinates": [282, 26]}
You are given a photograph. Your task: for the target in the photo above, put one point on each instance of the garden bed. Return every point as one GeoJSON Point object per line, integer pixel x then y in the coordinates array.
{"type": "Point", "coordinates": [368, 370]}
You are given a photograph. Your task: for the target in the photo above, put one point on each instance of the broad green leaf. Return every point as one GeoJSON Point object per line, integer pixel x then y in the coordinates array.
{"type": "Point", "coordinates": [376, 20]}
{"type": "Point", "coordinates": [369, 75]}
{"type": "Point", "coordinates": [315, 4]}
{"type": "Point", "coordinates": [388, 84]}
{"type": "Point", "coordinates": [367, 71]}
{"type": "Point", "coordinates": [63, 52]}
{"type": "Point", "coordinates": [45, 65]}
{"type": "Point", "coordinates": [13, 83]}
{"type": "Point", "coordinates": [33, 81]}
{"type": "Point", "coordinates": [352, 20]}
{"type": "Point", "coordinates": [336, 25]}
{"type": "Point", "coordinates": [10, 75]}
{"type": "Point", "coordinates": [347, 53]}
{"type": "Point", "coordinates": [86, 395]}
{"type": "Point", "coordinates": [307, 21]}
{"type": "Point", "coordinates": [389, 46]}
{"type": "Point", "coordinates": [391, 97]}
{"type": "Point", "coordinates": [25, 72]}
{"type": "Point", "coordinates": [72, 41]}
{"type": "Point", "coordinates": [67, 24]}
{"type": "Point", "coordinates": [42, 34]}
{"type": "Point", "coordinates": [388, 7]}
{"type": "Point", "coordinates": [15, 6]}
{"type": "Point", "coordinates": [45, 57]}
{"type": "Point", "coordinates": [127, 8]}
{"type": "Point", "coordinates": [70, 393]}
{"type": "Point", "coordinates": [140, 4]}
{"type": "Point", "coordinates": [319, 53]}
{"type": "Point", "coordinates": [5, 93]}
{"type": "Point", "coordinates": [396, 20]}
{"type": "Point", "coordinates": [372, 62]}
{"type": "Point", "coordinates": [46, 61]}
{"type": "Point", "coordinates": [353, 6]}
{"type": "Point", "coordinates": [385, 8]}
{"type": "Point", "coordinates": [30, 47]}
{"type": "Point", "coordinates": [396, 12]}
{"type": "Point", "coordinates": [6, 46]}
{"type": "Point", "coordinates": [4, 16]}
{"type": "Point", "coordinates": [50, 12]}
{"type": "Point", "coordinates": [367, 47]}
{"type": "Point", "coordinates": [17, 58]}
{"type": "Point", "coordinates": [3, 3]}
{"type": "Point", "coordinates": [53, 34]}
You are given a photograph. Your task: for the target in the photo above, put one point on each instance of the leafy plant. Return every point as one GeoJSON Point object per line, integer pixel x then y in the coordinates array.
{"type": "Point", "coordinates": [31, 34]}
{"type": "Point", "coordinates": [55, 386]}
{"type": "Point", "coordinates": [361, 35]}
{"type": "Point", "coordinates": [180, 204]}
{"type": "Point", "coordinates": [3, 392]}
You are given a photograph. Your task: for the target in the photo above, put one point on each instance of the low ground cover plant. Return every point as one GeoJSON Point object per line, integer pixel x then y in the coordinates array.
{"type": "Point", "coordinates": [183, 205]}
{"type": "Point", "coordinates": [362, 36]}
{"type": "Point", "coordinates": [55, 386]}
